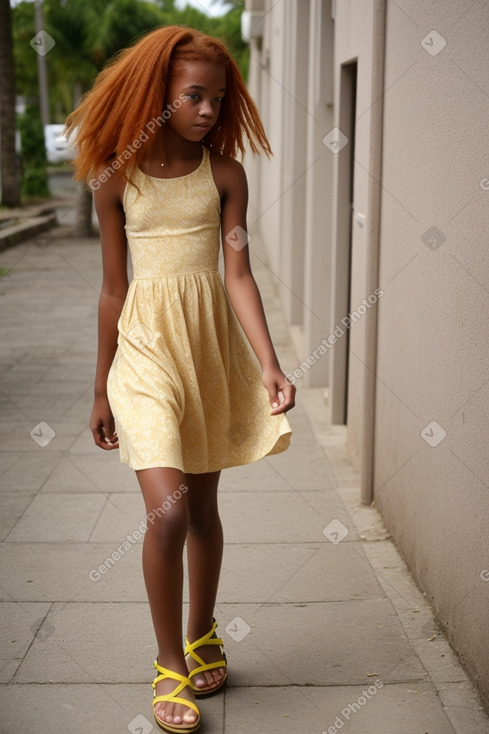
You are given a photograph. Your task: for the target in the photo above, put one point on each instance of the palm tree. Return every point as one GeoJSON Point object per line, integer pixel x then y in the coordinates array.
{"type": "Point", "coordinates": [8, 157]}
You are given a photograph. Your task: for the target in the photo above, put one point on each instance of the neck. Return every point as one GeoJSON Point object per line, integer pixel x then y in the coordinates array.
{"type": "Point", "coordinates": [169, 148]}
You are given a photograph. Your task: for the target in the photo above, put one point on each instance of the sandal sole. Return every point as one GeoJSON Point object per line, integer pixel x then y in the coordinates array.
{"type": "Point", "coordinates": [209, 692]}
{"type": "Point", "coordinates": [174, 729]}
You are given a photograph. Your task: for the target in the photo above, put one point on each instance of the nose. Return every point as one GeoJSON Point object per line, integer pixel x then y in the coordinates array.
{"type": "Point", "coordinates": [205, 109]}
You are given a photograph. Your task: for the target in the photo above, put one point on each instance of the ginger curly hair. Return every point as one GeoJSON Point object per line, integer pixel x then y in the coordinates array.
{"type": "Point", "coordinates": [131, 91]}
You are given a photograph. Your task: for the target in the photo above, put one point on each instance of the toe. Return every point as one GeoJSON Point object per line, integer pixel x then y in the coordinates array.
{"type": "Point", "coordinates": [169, 714]}
{"type": "Point", "coordinates": [190, 717]}
{"type": "Point", "coordinates": [218, 675]}
{"type": "Point", "coordinates": [209, 679]}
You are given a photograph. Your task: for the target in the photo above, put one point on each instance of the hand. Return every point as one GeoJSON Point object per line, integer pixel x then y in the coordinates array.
{"type": "Point", "coordinates": [102, 424]}
{"type": "Point", "coordinates": [280, 390]}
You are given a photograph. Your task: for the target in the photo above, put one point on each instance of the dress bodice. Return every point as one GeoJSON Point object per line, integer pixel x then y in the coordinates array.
{"type": "Point", "coordinates": [172, 225]}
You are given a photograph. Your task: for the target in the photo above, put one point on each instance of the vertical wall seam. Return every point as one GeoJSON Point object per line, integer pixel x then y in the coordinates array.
{"type": "Point", "coordinates": [373, 251]}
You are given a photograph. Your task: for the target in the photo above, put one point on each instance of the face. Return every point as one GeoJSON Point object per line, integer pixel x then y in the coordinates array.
{"type": "Point", "coordinates": [200, 86]}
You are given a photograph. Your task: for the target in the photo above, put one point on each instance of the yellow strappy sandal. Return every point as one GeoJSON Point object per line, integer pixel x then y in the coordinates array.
{"type": "Point", "coordinates": [190, 648]}
{"type": "Point", "coordinates": [174, 698]}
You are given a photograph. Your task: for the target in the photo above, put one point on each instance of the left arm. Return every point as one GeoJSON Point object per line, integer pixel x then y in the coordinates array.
{"type": "Point", "coordinates": [241, 287]}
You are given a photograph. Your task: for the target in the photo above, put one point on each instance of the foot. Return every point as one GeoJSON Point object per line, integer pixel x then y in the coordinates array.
{"type": "Point", "coordinates": [206, 680]}
{"type": "Point", "coordinates": [174, 713]}
{"type": "Point", "coordinates": [210, 678]}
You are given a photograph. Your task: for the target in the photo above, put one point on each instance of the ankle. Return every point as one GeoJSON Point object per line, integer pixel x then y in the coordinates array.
{"type": "Point", "coordinates": [198, 630]}
{"type": "Point", "coordinates": [173, 662]}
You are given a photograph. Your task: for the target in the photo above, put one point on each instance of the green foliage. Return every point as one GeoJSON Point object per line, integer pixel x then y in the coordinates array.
{"type": "Point", "coordinates": [122, 23]}
{"type": "Point", "coordinates": [228, 29]}
{"type": "Point", "coordinates": [33, 154]}
{"type": "Point", "coordinates": [88, 34]}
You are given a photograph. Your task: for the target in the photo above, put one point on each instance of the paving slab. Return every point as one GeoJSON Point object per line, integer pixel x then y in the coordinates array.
{"type": "Point", "coordinates": [7, 460]}
{"type": "Point", "coordinates": [106, 471]}
{"type": "Point", "coordinates": [401, 708]}
{"type": "Point", "coordinates": [83, 708]}
{"type": "Point", "coordinates": [83, 444]}
{"type": "Point", "coordinates": [19, 624]}
{"type": "Point", "coordinates": [13, 507]}
{"type": "Point", "coordinates": [260, 476]}
{"type": "Point", "coordinates": [280, 517]}
{"type": "Point", "coordinates": [44, 402]}
{"type": "Point", "coordinates": [296, 572]}
{"type": "Point", "coordinates": [28, 470]}
{"type": "Point", "coordinates": [46, 519]}
{"type": "Point", "coordinates": [332, 643]}
{"type": "Point", "coordinates": [89, 643]}
{"type": "Point", "coordinates": [123, 514]}
{"type": "Point", "coordinates": [304, 469]}
{"type": "Point", "coordinates": [70, 572]}
{"type": "Point", "coordinates": [16, 435]}
{"type": "Point", "coordinates": [463, 708]}
{"type": "Point", "coordinates": [68, 477]}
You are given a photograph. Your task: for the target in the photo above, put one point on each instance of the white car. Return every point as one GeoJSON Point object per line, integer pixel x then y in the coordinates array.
{"type": "Point", "coordinates": [58, 148]}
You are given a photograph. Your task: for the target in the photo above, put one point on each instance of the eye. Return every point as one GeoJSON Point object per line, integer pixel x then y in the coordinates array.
{"type": "Point", "coordinates": [219, 99]}
{"type": "Point", "coordinates": [193, 96]}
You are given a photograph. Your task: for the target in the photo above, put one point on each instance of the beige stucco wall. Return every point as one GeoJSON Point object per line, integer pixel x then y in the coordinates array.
{"type": "Point", "coordinates": [433, 347]}
{"type": "Point", "coordinates": [265, 214]}
{"type": "Point", "coordinates": [354, 40]}
{"type": "Point", "coordinates": [432, 360]}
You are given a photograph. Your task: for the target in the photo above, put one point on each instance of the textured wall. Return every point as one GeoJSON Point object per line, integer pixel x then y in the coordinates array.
{"type": "Point", "coordinates": [433, 347]}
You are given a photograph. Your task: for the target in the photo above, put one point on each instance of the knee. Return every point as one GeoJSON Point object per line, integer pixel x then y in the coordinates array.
{"type": "Point", "coordinates": [203, 520]}
{"type": "Point", "coordinates": [168, 526]}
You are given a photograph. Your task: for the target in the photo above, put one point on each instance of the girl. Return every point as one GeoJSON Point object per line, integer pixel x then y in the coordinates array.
{"type": "Point", "coordinates": [177, 388]}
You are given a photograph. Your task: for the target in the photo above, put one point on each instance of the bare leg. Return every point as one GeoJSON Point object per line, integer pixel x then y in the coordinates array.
{"type": "Point", "coordinates": [204, 552]}
{"type": "Point", "coordinates": [163, 576]}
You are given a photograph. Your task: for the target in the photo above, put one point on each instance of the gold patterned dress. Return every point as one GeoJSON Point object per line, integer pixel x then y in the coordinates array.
{"type": "Point", "coordinates": [185, 388]}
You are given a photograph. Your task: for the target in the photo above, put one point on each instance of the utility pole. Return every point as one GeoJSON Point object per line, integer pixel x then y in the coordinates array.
{"type": "Point", "coordinates": [42, 70]}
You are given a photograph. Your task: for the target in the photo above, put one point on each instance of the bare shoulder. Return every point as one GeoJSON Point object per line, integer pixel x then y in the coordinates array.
{"type": "Point", "coordinates": [229, 174]}
{"type": "Point", "coordinates": [107, 190]}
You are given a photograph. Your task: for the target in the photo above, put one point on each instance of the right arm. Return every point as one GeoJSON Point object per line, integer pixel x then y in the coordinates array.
{"type": "Point", "coordinates": [108, 205]}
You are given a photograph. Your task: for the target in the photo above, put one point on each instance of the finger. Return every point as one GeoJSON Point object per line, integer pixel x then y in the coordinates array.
{"type": "Point", "coordinates": [275, 396]}
{"type": "Point", "coordinates": [112, 443]}
{"type": "Point", "coordinates": [99, 438]}
{"type": "Point", "coordinates": [289, 392]}
{"type": "Point", "coordinates": [287, 400]}
{"type": "Point", "coordinates": [110, 437]}
{"type": "Point", "coordinates": [102, 440]}
{"type": "Point", "coordinates": [277, 402]}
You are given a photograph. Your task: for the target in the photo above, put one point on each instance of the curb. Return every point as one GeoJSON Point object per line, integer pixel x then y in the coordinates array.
{"type": "Point", "coordinates": [27, 228]}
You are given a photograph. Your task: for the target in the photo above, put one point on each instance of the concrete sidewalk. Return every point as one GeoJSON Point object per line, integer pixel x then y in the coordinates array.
{"type": "Point", "coordinates": [323, 627]}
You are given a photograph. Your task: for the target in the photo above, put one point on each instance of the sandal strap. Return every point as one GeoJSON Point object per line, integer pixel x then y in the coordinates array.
{"type": "Point", "coordinates": [173, 697]}
{"type": "Point", "coordinates": [176, 699]}
{"type": "Point", "coordinates": [207, 639]}
{"type": "Point", "coordinates": [205, 667]}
